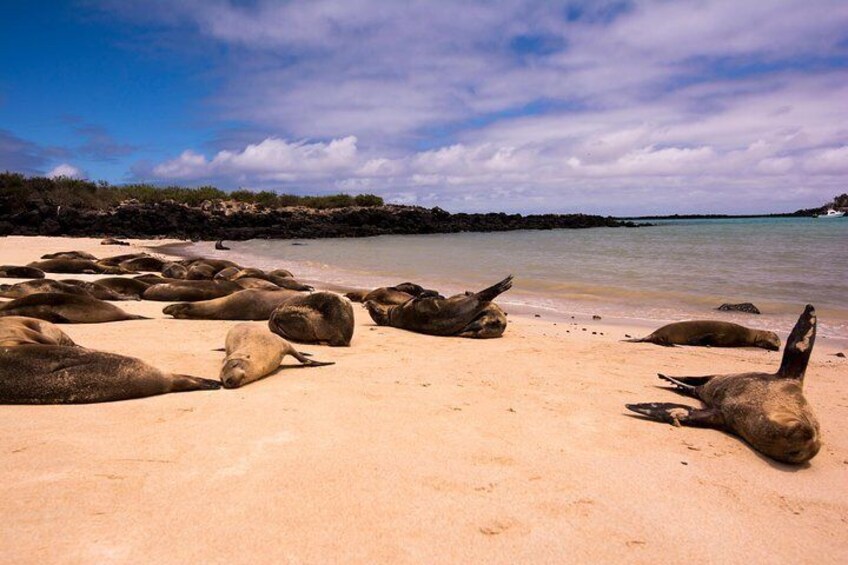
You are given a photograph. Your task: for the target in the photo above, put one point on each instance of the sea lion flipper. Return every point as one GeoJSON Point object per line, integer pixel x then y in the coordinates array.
{"type": "Point", "coordinates": [307, 362]}
{"type": "Point", "coordinates": [489, 294]}
{"type": "Point", "coordinates": [678, 414]}
{"type": "Point", "coordinates": [182, 383]}
{"type": "Point", "coordinates": [686, 385]}
{"type": "Point", "coordinates": [799, 346]}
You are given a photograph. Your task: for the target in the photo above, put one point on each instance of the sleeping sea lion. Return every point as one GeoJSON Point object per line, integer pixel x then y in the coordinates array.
{"type": "Point", "coordinates": [116, 260]}
{"type": "Point", "coordinates": [55, 374]}
{"type": "Point", "coordinates": [250, 282]}
{"type": "Point", "coordinates": [439, 316]}
{"type": "Point", "coordinates": [711, 333]}
{"type": "Point", "coordinates": [20, 330]}
{"type": "Point", "coordinates": [253, 352]}
{"type": "Point", "coordinates": [227, 273]}
{"type": "Point", "coordinates": [216, 264]}
{"type": "Point", "coordinates": [76, 267]}
{"type": "Point", "coordinates": [174, 271]}
{"type": "Point", "coordinates": [146, 264]}
{"type": "Point", "coordinates": [37, 286]}
{"type": "Point", "coordinates": [189, 291]}
{"type": "Point", "coordinates": [61, 308]}
{"type": "Point", "coordinates": [280, 273]}
{"type": "Point", "coordinates": [320, 317]}
{"type": "Point", "coordinates": [70, 255]}
{"type": "Point", "coordinates": [246, 304]}
{"type": "Point", "coordinates": [98, 291]}
{"type": "Point", "coordinates": [768, 410]}
{"type": "Point", "coordinates": [17, 272]}
{"type": "Point", "coordinates": [200, 272]}
{"type": "Point", "coordinates": [490, 322]}
{"type": "Point", "coordinates": [123, 285]}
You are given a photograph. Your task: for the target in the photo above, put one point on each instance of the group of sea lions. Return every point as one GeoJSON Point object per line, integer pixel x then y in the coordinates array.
{"type": "Point", "coordinates": [40, 364]}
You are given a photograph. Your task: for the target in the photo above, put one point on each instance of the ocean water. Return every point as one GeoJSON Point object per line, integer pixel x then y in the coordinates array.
{"type": "Point", "coordinates": [677, 269]}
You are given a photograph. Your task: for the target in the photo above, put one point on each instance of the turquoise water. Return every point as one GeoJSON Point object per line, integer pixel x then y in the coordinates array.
{"type": "Point", "coordinates": [676, 269]}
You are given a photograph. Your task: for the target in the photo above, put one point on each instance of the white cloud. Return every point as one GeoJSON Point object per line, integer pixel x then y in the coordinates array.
{"type": "Point", "coordinates": [66, 170]}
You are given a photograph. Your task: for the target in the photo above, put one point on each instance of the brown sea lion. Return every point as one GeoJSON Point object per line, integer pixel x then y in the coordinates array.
{"type": "Point", "coordinates": [123, 285]}
{"type": "Point", "coordinates": [70, 255]}
{"type": "Point", "coordinates": [247, 304]}
{"type": "Point", "coordinates": [76, 267]}
{"type": "Point", "coordinates": [113, 241]}
{"type": "Point", "coordinates": [250, 282]}
{"type": "Point", "coordinates": [17, 272]}
{"type": "Point", "coordinates": [37, 286]}
{"type": "Point", "coordinates": [490, 322]}
{"type": "Point", "coordinates": [217, 264]}
{"type": "Point", "coordinates": [146, 264]}
{"type": "Point", "coordinates": [711, 333]}
{"type": "Point", "coordinates": [393, 295]}
{"type": "Point", "coordinates": [189, 291]}
{"type": "Point", "coordinates": [280, 273]}
{"type": "Point", "coordinates": [55, 374]}
{"type": "Point", "coordinates": [97, 291]}
{"type": "Point", "coordinates": [116, 260]}
{"type": "Point", "coordinates": [174, 270]}
{"type": "Point", "coordinates": [387, 296]}
{"type": "Point", "coordinates": [61, 308]}
{"type": "Point", "coordinates": [20, 330]}
{"type": "Point", "coordinates": [439, 316]}
{"type": "Point", "coordinates": [227, 273]}
{"type": "Point", "coordinates": [253, 352]}
{"type": "Point", "coordinates": [200, 272]}
{"type": "Point", "coordinates": [320, 317]}
{"type": "Point", "coordinates": [768, 410]}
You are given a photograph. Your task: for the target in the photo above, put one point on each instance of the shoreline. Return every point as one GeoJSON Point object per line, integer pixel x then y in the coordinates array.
{"type": "Point", "coordinates": [411, 448]}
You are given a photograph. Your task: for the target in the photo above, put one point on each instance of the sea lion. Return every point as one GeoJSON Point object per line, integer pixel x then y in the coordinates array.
{"type": "Point", "coordinates": [253, 352]}
{"type": "Point", "coordinates": [174, 271]}
{"type": "Point", "coordinates": [17, 272]}
{"type": "Point", "coordinates": [490, 322]}
{"type": "Point", "coordinates": [200, 272]}
{"type": "Point", "coordinates": [356, 295]}
{"type": "Point", "coordinates": [124, 286]}
{"type": "Point", "coordinates": [55, 374]}
{"type": "Point", "coordinates": [320, 317]}
{"type": "Point", "coordinates": [97, 291]}
{"type": "Point", "coordinates": [227, 273]}
{"type": "Point", "coordinates": [393, 295]}
{"type": "Point", "coordinates": [290, 284]}
{"type": "Point", "coordinates": [20, 330]}
{"type": "Point", "coordinates": [712, 333]}
{"type": "Point", "coordinates": [116, 260]}
{"type": "Point", "coordinates": [146, 264]}
{"type": "Point", "coordinates": [768, 410]}
{"type": "Point", "coordinates": [62, 308]}
{"type": "Point", "coordinates": [217, 264]}
{"type": "Point", "coordinates": [113, 241]}
{"type": "Point", "coordinates": [280, 273]}
{"type": "Point", "coordinates": [70, 255]}
{"type": "Point", "coordinates": [440, 316]}
{"type": "Point", "coordinates": [189, 291]}
{"type": "Point", "coordinates": [416, 290]}
{"type": "Point", "coordinates": [36, 286]}
{"type": "Point", "coordinates": [250, 282]}
{"type": "Point", "coordinates": [247, 304]}
{"type": "Point", "coordinates": [76, 267]}
{"type": "Point", "coordinates": [387, 296]}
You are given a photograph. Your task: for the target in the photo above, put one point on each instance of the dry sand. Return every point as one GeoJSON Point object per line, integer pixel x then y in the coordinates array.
{"type": "Point", "coordinates": [412, 449]}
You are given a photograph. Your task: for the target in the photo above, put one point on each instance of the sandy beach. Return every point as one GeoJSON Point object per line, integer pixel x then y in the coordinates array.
{"type": "Point", "coordinates": [412, 448]}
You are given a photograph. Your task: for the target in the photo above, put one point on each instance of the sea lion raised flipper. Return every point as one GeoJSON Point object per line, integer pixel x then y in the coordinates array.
{"type": "Point", "coordinates": [678, 414]}
{"type": "Point", "coordinates": [799, 346]}
{"type": "Point", "coordinates": [489, 294]}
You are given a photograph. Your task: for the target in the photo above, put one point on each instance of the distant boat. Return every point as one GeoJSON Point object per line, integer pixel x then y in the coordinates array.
{"type": "Point", "coordinates": [831, 214]}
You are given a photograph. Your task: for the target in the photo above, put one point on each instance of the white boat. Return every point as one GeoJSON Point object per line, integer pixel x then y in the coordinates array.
{"type": "Point", "coordinates": [831, 214]}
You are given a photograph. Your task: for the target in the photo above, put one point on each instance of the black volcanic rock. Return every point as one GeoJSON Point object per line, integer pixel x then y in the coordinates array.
{"type": "Point", "coordinates": [746, 307]}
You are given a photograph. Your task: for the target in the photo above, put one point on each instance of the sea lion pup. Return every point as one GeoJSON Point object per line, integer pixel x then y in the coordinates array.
{"type": "Point", "coordinates": [438, 316]}
{"type": "Point", "coordinates": [124, 286]}
{"type": "Point", "coordinates": [174, 271]}
{"type": "Point", "coordinates": [253, 352]}
{"type": "Point", "coordinates": [62, 308]}
{"type": "Point", "coordinates": [36, 286]}
{"type": "Point", "coordinates": [247, 304]}
{"type": "Point", "coordinates": [146, 264]}
{"type": "Point", "coordinates": [55, 374]}
{"type": "Point", "coordinates": [76, 267]}
{"type": "Point", "coordinates": [320, 317]}
{"type": "Point", "coordinates": [711, 333]}
{"type": "Point", "coordinates": [97, 291]}
{"type": "Point", "coordinates": [767, 410]}
{"type": "Point", "coordinates": [16, 272]}
{"type": "Point", "coordinates": [189, 291]}
{"type": "Point", "coordinates": [70, 255]}
{"type": "Point", "coordinates": [20, 330]}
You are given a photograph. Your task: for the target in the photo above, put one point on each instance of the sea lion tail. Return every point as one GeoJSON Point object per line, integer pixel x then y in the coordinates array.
{"type": "Point", "coordinates": [799, 346]}
{"type": "Point", "coordinates": [677, 414]}
{"type": "Point", "coordinates": [489, 294]}
{"type": "Point", "coordinates": [185, 383]}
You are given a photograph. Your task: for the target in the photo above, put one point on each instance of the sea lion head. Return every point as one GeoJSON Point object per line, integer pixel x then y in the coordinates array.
{"type": "Point", "coordinates": [181, 310]}
{"type": "Point", "coordinates": [791, 437]}
{"type": "Point", "coordinates": [768, 340]}
{"type": "Point", "coordinates": [379, 312]}
{"type": "Point", "coordinates": [233, 372]}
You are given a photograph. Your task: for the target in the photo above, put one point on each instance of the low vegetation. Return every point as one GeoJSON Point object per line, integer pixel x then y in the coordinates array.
{"type": "Point", "coordinates": [17, 192]}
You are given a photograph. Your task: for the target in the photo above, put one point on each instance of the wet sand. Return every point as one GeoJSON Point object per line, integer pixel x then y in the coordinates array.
{"type": "Point", "coordinates": [412, 448]}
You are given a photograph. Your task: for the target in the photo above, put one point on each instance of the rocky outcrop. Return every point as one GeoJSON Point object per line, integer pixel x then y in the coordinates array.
{"type": "Point", "coordinates": [220, 221]}
{"type": "Point", "coordinates": [746, 307]}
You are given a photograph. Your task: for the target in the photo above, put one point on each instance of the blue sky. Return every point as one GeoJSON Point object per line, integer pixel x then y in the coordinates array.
{"type": "Point", "coordinates": [609, 107]}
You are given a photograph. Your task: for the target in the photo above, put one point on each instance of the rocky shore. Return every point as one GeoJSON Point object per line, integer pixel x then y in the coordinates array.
{"type": "Point", "coordinates": [240, 221]}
